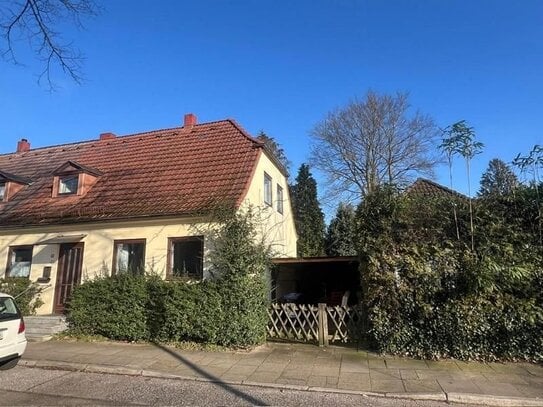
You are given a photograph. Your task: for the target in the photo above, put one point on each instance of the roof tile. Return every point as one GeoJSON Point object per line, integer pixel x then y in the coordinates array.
{"type": "Point", "coordinates": [164, 172]}
{"type": "Point", "coordinates": [426, 188]}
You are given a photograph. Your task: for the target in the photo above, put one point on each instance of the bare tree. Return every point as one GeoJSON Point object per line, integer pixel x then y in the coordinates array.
{"type": "Point", "coordinates": [37, 22]}
{"type": "Point", "coordinates": [372, 142]}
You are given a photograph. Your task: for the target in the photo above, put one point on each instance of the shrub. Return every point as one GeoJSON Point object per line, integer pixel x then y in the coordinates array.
{"type": "Point", "coordinates": [179, 311]}
{"type": "Point", "coordinates": [114, 307]}
{"type": "Point", "coordinates": [229, 309]}
{"type": "Point", "coordinates": [427, 294]}
{"type": "Point", "coordinates": [27, 293]}
{"type": "Point", "coordinates": [240, 260]}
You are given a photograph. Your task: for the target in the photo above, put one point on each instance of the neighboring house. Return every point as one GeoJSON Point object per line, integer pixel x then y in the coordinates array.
{"type": "Point", "coordinates": [70, 212]}
{"type": "Point", "coordinates": [423, 187]}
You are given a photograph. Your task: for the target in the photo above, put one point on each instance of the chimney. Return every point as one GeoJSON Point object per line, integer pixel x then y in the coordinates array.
{"type": "Point", "coordinates": [107, 136]}
{"type": "Point", "coordinates": [190, 120]}
{"type": "Point", "coordinates": [23, 145]}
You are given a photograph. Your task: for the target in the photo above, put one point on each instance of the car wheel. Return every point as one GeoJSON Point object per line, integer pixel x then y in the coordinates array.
{"type": "Point", "coordinates": [9, 364]}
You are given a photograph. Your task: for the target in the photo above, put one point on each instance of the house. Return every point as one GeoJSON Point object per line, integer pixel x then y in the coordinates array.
{"type": "Point", "coordinates": [115, 204]}
{"type": "Point", "coordinates": [426, 188]}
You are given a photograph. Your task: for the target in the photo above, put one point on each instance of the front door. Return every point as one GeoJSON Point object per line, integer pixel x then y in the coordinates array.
{"type": "Point", "coordinates": [70, 260]}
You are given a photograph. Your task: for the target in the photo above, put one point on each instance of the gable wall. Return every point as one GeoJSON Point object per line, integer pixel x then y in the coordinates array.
{"type": "Point", "coordinates": [278, 229]}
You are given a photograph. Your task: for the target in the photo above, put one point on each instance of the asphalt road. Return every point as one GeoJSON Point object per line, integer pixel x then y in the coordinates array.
{"type": "Point", "coordinates": [33, 386]}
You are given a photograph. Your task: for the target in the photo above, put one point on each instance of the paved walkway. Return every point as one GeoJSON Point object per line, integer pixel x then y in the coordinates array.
{"type": "Point", "coordinates": [306, 367]}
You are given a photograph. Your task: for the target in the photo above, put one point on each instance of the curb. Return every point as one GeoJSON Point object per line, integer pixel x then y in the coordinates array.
{"type": "Point", "coordinates": [466, 398]}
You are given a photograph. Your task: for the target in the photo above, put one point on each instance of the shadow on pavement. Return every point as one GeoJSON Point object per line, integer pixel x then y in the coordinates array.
{"type": "Point", "coordinates": [214, 379]}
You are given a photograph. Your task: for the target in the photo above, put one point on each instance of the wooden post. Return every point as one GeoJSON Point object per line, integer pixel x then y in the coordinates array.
{"type": "Point", "coordinates": [323, 325]}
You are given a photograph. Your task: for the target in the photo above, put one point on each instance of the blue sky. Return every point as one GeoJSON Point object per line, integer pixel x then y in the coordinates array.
{"type": "Point", "coordinates": [280, 66]}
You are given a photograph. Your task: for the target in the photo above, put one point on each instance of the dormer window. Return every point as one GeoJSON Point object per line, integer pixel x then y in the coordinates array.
{"type": "Point", "coordinates": [72, 178]}
{"type": "Point", "coordinates": [67, 184]}
{"type": "Point", "coordinates": [10, 184]}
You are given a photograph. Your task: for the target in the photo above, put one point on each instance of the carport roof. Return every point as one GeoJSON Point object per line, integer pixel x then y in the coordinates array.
{"type": "Point", "coordinates": [321, 260]}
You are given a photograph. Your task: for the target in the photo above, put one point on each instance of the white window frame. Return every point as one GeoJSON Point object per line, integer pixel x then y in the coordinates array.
{"type": "Point", "coordinates": [280, 197]}
{"type": "Point", "coordinates": [268, 189]}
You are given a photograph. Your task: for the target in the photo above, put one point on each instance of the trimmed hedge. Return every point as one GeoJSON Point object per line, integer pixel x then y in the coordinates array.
{"type": "Point", "coordinates": [229, 309]}
{"type": "Point", "coordinates": [125, 307]}
{"type": "Point", "coordinates": [428, 295]}
{"type": "Point", "coordinates": [114, 307]}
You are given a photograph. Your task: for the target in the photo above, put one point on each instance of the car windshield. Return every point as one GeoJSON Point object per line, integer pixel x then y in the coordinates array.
{"type": "Point", "coordinates": [8, 309]}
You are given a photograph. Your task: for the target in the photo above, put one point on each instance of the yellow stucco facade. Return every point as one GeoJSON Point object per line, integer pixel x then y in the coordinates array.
{"type": "Point", "coordinates": [98, 238]}
{"type": "Point", "coordinates": [277, 228]}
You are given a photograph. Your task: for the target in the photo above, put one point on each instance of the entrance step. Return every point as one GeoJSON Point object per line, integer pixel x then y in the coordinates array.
{"type": "Point", "coordinates": [41, 328]}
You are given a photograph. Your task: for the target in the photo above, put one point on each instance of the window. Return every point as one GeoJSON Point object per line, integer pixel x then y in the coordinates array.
{"type": "Point", "coordinates": [19, 261]}
{"type": "Point", "coordinates": [279, 199]}
{"type": "Point", "coordinates": [8, 310]}
{"type": "Point", "coordinates": [2, 190]}
{"type": "Point", "coordinates": [185, 257]}
{"type": "Point", "coordinates": [129, 256]}
{"type": "Point", "coordinates": [267, 189]}
{"type": "Point", "coordinates": [67, 184]}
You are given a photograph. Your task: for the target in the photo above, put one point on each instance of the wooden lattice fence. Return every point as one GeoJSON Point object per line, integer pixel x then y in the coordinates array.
{"type": "Point", "coordinates": [311, 323]}
{"type": "Point", "coordinates": [293, 321]}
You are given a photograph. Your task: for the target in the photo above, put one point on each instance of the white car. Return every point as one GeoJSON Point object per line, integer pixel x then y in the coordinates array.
{"type": "Point", "coordinates": [12, 332]}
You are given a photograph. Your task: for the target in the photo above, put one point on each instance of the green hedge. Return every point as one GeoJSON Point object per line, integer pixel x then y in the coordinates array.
{"type": "Point", "coordinates": [27, 293]}
{"type": "Point", "coordinates": [228, 309]}
{"type": "Point", "coordinates": [112, 307]}
{"type": "Point", "coordinates": [427, 294]}
{"type": "Point", "coordinates": [125, 307]}
{"type": "Point", "coordinates": [419, 312]}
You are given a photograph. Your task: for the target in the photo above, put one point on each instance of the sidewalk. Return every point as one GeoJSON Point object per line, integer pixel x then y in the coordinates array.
{"type": "Point", "coordinates": [306, 367]}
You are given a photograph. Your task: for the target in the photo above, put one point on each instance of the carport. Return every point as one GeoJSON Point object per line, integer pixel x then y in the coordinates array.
{"type": "Point", "coordinates": [314, 280]}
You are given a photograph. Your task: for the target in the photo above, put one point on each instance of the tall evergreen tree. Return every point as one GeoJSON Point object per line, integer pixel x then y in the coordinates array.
{"type": "Point", "coordinates": [340, 236]}
{"type": "Point", "coordinates": [307, 214]}
{"type": "Point", "coordinates": [498, 179]}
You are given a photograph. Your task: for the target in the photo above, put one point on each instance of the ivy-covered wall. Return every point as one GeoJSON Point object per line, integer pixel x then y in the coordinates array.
{"type": "Point", "coordinates": [428, 294]}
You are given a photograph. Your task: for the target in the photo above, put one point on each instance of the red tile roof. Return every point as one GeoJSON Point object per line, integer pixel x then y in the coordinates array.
{"type": "Point", "coordinates": [170, 172]}
{"type": "Point", "coordinates": [427, 188]}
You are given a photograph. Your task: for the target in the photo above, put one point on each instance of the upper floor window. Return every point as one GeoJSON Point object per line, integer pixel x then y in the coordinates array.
{"type": "Point", "coordinates": [19, 261]}
{"type": "Point", "coordinates": [279, 199]}
{"type": "Point", "coordinates": [267, 189]}
{"type": "Point", "coordinates": [186, 257]}
{"type": "Point", "coordinates": [129, 256]}
{"type": "Point", "coordinates": [67, 184]}
{"type": "Point", "coordinates": [10, 184]}
{"type": "Point", "coordinates": [72, 178]}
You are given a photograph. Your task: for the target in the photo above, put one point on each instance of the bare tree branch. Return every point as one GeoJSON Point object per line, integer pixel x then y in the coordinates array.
{"type": "Point", "coordinates": [35, 21]}
{"type": "Point", "coordinates": [371, 142]}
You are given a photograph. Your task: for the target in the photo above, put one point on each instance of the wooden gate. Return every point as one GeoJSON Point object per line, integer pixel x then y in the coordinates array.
{"type": "Point", "coordinates": [310, 323]}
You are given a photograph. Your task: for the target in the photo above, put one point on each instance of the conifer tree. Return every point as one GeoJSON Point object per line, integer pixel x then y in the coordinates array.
{"type": "Point", "coordinates": [340, 237]}
{"type": "Point", "coordinates": [274, 148]}
{"type": "Point", "coordinates": [307, 214]}
{"type": "Point", "coordinates": [498, 179]}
